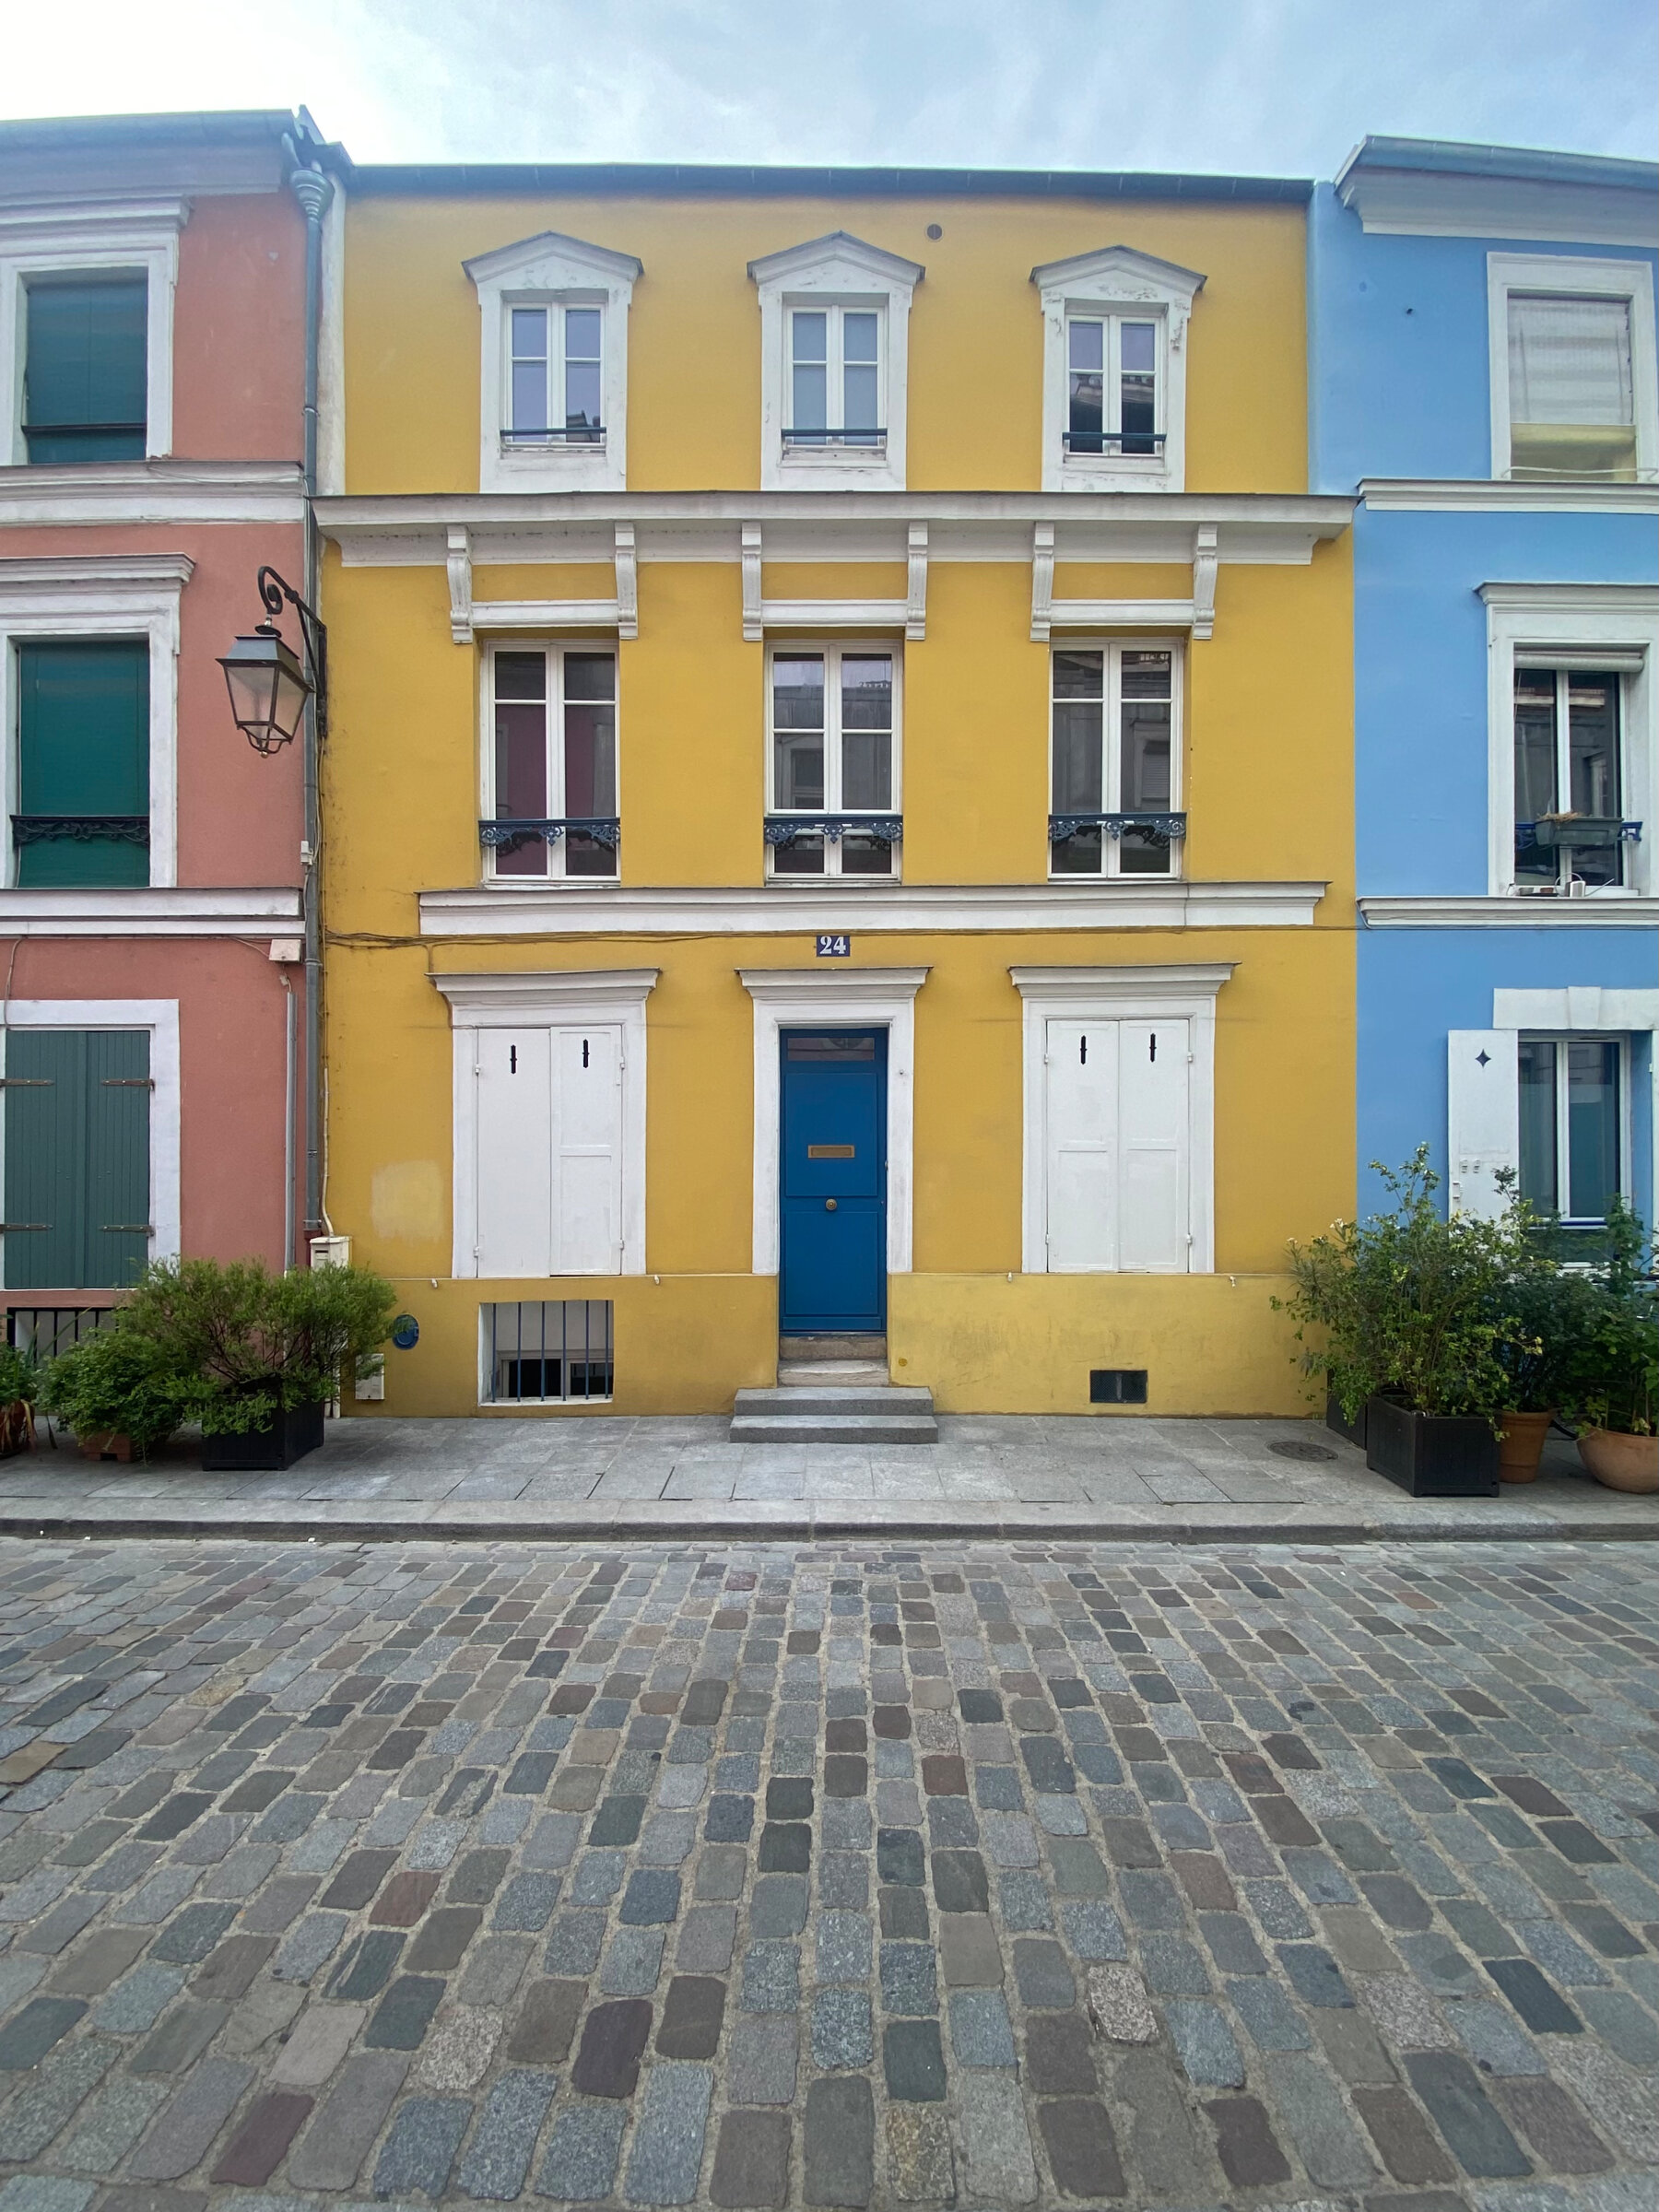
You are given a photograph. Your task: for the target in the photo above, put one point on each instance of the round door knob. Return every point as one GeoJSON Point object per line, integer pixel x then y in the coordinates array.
{"type": "Point", "coordinates": [829, 1205]}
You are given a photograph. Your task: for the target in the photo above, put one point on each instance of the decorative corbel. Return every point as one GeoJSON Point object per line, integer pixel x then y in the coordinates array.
{"type": "Point", "coordinates": [628, 583]}
{"type": "Point", "coordinates": [1042, 581]}
{"type": "Point", "coordinates": [1205, 558]}
{"type": "Point", "coordinates": [459, 562]}
{"type": "Point", "coordinates": [915, 610]}
{"type": "Point", "coordinates": [753, 627]}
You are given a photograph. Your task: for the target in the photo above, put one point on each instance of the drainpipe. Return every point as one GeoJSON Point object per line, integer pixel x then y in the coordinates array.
{"type": "Point", "coordinates": [314, 190]}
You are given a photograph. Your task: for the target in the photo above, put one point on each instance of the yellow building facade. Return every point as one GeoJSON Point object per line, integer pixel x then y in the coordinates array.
{"type": "Point", "coordinates": [838, 814]}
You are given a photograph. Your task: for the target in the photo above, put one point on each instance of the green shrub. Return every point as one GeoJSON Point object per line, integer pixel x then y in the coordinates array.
{"type": "Point", "coordinates": [1612, 1379]}
{"type": "Point", "coordinates": [120, 1381]}
{"type": "Point", "coordinates": [1414, 1303]}
{"type": "Point", "coordinates": [248, 1342]}
{"type": "Point", "coordinates": [20, 1376]}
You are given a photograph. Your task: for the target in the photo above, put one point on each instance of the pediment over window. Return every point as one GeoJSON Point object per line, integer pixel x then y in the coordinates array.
{"type": "Point", "coordinates": [837, 258]}
{"type": "Point", "coordinates": [553, 260]}
{"type": "Point", "coordinates": [834, 353]}
{"type": "Point", "coordinates": [1114, 370]}
{"type": "Point", "coordinates": [1120, 273]}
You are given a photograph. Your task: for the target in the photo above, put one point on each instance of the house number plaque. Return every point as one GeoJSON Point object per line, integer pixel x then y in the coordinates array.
{"type": "Point", "coordinates": [834, 948]}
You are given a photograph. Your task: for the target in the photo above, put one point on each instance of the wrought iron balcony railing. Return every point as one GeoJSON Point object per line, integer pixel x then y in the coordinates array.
{"type": "Point", "coordinates": [80, 829]}
{"type": "Point", "coordinates": [1141, 445]}
{"type": "Point", "coordinates": [784, 829]}
{"type": "Point", "coordinates": [868, 441]}
{"type": "Point", "coordinates": [509, 831]}
{"type": "Point", "coordinates": [1161, 828]}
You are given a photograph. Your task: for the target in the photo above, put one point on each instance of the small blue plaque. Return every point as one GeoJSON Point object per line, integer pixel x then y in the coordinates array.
{"type": "Point", "coordinates": [834, 948]}
{"type": "Point", "coordinates": [405, 1332]}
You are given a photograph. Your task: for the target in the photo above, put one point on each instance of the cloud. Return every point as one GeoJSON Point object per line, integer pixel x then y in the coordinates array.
{"type": "Point", "coordinates": [1283, 87]}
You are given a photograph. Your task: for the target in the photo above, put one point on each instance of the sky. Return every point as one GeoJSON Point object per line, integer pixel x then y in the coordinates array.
{"type": "Point", "coordinates": [1276, 87]}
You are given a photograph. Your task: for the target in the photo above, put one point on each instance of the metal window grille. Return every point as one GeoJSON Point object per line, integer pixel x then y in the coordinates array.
{"type": "Point", "coordinates": [548, 1351]}
{"type": "Point", "coordinates": [47, 1331]}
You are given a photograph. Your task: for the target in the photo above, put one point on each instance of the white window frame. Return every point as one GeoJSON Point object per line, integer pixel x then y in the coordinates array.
{"type": "Point", "coordinates": [832, 651]}
{"type": "Point", "coordinates": [554, 651]}
{"type": "Point", "coordinates": [1184, 993]}
{"type": "Point", "coordinates": [1113, 648]}
{"type": "Point", "coordinates": [1572, 277]}
{"type": "Point", "coordinates": [530, 1000]}
{"type": "Point", "coordinates": [1562, 1038]}
{"type": "Point", "coordinates": [553, 271]}
{"type": "Point", "coordinates": [70, 597]}
{"type": "Point", "coordinates": [813, 998]}
{"type": "Point", "coordinates": [1588, 626]}
{"type": "Point", "coordinates": [839, 271]}
{"type": "Point", "coordinates": [160, 1018]}
{"type": "Point", "coordinates": [555, 403]}
{"type": "Point", "coordinates": [1116, 284]}
{"type": "Point", "coordinates": [140, 238]}
{"type": "Point", "coordinates": [835, 313]}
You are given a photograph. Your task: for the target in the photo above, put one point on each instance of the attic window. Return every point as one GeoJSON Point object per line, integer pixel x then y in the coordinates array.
{"type": "Point", "coordinates": [1114, 370]}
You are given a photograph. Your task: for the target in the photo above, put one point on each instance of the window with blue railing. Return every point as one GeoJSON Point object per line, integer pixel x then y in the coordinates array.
{"type": "Point", "coordinates": [1571, 831]}
{"type": "Point", "coordinates": [552, 763]}
{"type": "Point", "coordinates": [833, 773]}
{"type": "Point", "coordinates": [1115, 788]}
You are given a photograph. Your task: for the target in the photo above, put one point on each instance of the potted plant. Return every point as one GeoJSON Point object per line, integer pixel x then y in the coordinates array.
{"type": "Point", "coordinates": [120, 1395]}
{"type": "Point", "coordinates": [19, 1379]}
{"type": "Point", "coordinates": [1558, 1310]}
{"type": "Point", "coordinates": [1409, 1308]}
{"type": "Point", "coordinates": [265, 1353]}
{"type": "Point", "coordinates": [1616, 1405]}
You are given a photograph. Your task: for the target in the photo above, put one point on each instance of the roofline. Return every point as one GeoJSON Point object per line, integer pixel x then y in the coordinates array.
{"type": "Point", "coordinates": [1520, 164]}
{"type": "Point", "coordinates": [200, 126]}
{"type": "Point", "coordinates": [386, 179]}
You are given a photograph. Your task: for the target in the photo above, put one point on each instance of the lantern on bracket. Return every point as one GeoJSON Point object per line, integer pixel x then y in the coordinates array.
{"type": "Point", "coordinates": [267, 682]}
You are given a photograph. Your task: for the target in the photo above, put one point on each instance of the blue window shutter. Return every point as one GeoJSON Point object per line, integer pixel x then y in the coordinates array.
{"type": "Point", "coordinates": [85, 367]}
{"type": "Point", "coordinates": [83, 729]}
{"type": "Point", "coordinates": [77, 1178]}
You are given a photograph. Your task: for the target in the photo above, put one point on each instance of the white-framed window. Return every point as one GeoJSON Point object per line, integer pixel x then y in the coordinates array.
{"type": "Point", "coordinates": [835, 380]}
{"type": "Point", "coordinates": [550, 762]}
{"type": "Point", "coordinates": [1572, 1092]}
{"type": "Point", "coordinates": [1114, 370]}
{"type": "Point", "coordinates": [1114, 793]}
{"type": "Point", "coordinates": [556, 374]}
{"type": "Point", "coordinates": [553, 364]}
{"type": "Point", "coordinates": [548, 1121]}
{"type": "Point", "coordinates": [834, 353]}
{"type": "Point", "coordinates": [1573, 758]}
{"type": "Point", "coordinates": [1575, 393]}
{"type": "Point", "coordinates": [833, 759]}
{"type": "Point", "coordinates": [89, 719]}
{"type": "Point", "coordinates": [86, 331]}
{"type": "Point", "coordinates": [1119, 1146]}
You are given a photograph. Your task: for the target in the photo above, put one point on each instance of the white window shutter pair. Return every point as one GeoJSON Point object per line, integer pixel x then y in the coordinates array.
{"type": "Point", "coordinates": [549, 1158]}
{"type": "Point", "coordinates": [1483, 1118]}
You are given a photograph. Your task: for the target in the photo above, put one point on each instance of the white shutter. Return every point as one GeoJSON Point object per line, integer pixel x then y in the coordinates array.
{"type": "Point", "coordinates": [587, 1151]}
{"type": "Point", "coordinates": [1082, 1143]}
{"type": "Point", "coordinates": [1483, 1118]}
{"type": "Point", "coordinates": [514, 1162]}
{"type": "Point", "coordinates": [1154, 1154]}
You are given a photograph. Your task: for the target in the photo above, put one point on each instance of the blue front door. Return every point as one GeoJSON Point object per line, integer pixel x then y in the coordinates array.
{"type": "Point", "coordinates": [833, 1263]}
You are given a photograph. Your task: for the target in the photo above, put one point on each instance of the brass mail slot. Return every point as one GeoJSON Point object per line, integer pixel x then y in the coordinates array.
{"type": "Point", "coordinates": [830, 1152]}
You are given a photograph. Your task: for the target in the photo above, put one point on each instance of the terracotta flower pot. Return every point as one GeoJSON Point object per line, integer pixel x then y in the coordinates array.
{"type": "Point", "coordinates": [106, 1443]}
{"type": "Point", "coordinates": [1521, 1446]}
{"type": "Point", "coordinates": [1620, 1461]}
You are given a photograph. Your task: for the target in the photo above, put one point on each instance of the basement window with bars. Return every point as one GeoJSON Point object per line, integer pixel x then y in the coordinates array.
{"type": "Point", "coordinates": [558, 1351]}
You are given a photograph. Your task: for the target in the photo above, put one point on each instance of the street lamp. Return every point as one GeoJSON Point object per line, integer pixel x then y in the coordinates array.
{"type": "Point", "coordinates": [268, 686]}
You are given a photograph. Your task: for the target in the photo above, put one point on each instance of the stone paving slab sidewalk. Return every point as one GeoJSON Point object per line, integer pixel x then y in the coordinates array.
{"type": "Point", "coordinates": [600, 1478]}
{"type": "Point", "coordinates": [869, 1875]}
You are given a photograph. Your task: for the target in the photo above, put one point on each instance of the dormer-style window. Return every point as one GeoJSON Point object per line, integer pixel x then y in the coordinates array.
{"type": "Point", "coordinates": [1114, 372]}
{"type": "Point", "coordinates": [834, 349]}
{"type": "Point", "coordinates": [553, 365]}
{"type": "Point", "coordinates": [1575, 393]}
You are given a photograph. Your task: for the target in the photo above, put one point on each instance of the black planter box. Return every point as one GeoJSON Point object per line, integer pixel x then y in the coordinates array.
{"type": "Point", "coordinates": [1339, 1424]}
{"type": "Point", "coordinates": [293, 1431]}
{"type": "Point", "coordinates": [1432, 1455]}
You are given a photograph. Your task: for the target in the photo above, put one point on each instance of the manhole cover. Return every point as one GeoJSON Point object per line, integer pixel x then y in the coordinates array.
{"type": "Point", "coordinates": [1294, 1448]}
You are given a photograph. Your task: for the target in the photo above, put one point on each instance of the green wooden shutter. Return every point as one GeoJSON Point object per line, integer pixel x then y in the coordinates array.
{"type": "Point", "coordinates": [77, 1176]}
{"type": "Point", "coordinates": [84, 377]}
{"type": "Point", "coordinates": [83, 733]}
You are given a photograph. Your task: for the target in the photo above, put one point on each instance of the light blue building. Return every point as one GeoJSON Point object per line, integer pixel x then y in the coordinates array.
{"type": "Point", "coordinates": [1482, 374]}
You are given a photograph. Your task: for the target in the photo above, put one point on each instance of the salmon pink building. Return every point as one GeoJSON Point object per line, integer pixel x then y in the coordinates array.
{"type": "Point", "coordinates": [154, 1009]}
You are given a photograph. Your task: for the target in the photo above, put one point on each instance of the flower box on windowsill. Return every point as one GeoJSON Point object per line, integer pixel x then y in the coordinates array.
{"type": "Point", "coordinates": [1581, 833]}
{"type": "Point", "coordinates": [1431, 1454]}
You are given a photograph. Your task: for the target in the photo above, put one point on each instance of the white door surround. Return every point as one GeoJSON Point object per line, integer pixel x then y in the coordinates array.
{"type": "Point", "coordinates": [809, 998]}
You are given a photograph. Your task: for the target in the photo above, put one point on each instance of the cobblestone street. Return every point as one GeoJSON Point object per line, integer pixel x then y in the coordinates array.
{"type": "Point", "coordinates": [839, 1875]}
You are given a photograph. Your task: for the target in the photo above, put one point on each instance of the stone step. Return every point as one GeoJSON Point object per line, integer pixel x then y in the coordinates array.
{"type": "Point", "coordinates": [808, 1375]}
{"type": "Point", "coordinates": [865, 1397]}
{"type": "Point", "coordinates": [833, 1429]}
{"type": "Point", "coordinates": [827, 1346]}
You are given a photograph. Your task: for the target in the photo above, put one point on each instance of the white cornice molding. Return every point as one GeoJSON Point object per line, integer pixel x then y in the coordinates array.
{"type": "Point", "coordinates": [1431, 495]}
{"type": "Point", "coordinates": [29, 226]}
{"type": "Point", "coordinates": [161, 491]}
{"type": "Point", "coordinates": [1068, 984]}
{"type": "Point", "coordinates": [830, 984]}
{"type": "Point", "coordinates": [833, 904]}
{"type": "Point", "coordinates": [1571, 598]}
{"type": "Point", "coordinates": [1411, 911]}
{"type": "Point", "coordinates": [157, 912]}
{"type": "Point", "coordinates": [53, 573]}
{"type": "Point", "coordinates": [1576, 1006]}
{"type": "Point", "coordinates": [493, 999]}
{"type": "Point", "coordinates": [1444, 203]}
